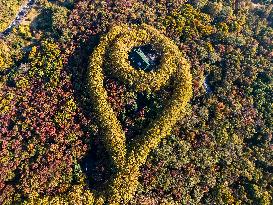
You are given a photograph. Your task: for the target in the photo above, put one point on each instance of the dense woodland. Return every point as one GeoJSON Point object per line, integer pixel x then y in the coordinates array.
{"type": "Point", "coordinates": [219, 152]}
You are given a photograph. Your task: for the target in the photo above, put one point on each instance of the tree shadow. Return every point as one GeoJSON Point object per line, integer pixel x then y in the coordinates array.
{"type": "Point", "coordinates": [96, 165]}
{"type": "Point", "coordinates": [43, 23]}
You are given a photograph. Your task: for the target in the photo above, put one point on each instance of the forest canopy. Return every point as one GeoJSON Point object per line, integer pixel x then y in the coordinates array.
{"type": "Point", "coordinates": [80, 123]}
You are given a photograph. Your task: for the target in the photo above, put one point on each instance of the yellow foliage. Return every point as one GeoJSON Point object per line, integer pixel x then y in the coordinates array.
{"type": "Point", "coordinates": [5, 56]}
{"type": "Point", "coordinates": [46, 62]}
{"type": "Point", "coordinates": [5, 102]}
{"type": "Point", "coordinates": [128, 160]}
{"type": "Point", "coordinates": [24, 30]}
{"type": "Point", "coordinates": [77, 196]}
{"type": "Point", "coordinates": [112, 54]}
{"type": "Point", "coordinates": [226, 194]}
{"type": "Point", "coordinates": [8, 11]}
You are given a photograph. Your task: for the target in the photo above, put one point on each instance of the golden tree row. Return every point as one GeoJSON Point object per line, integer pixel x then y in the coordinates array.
{"type": "Point", "coordinates": [112, 54]}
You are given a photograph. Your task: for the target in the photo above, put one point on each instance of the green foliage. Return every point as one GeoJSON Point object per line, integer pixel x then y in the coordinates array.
{"type": "Point", "coordinates": [45, 63]}
{"type": "Point", "coordinates": [189, 23]}
{"type": "Point", "coordinates": [65, 114]}
{"type": "Point", "coordinates": [59, 19]}
{"type": "Point", "coordinates": [263, 98]}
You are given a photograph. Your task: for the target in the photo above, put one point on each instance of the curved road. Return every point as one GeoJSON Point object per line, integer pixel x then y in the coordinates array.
{"type": "Point", "coordinates": [20, 16]}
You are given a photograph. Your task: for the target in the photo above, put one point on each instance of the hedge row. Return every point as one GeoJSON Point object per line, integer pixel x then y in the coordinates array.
{"type": "Point", "coordinates": [118, 43]}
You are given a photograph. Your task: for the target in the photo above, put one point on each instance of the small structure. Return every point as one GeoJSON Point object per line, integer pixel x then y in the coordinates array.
{"type": "Point", "coordinates": [141, 59]}
{"type": "Point", "coordinates": [145, 58]}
